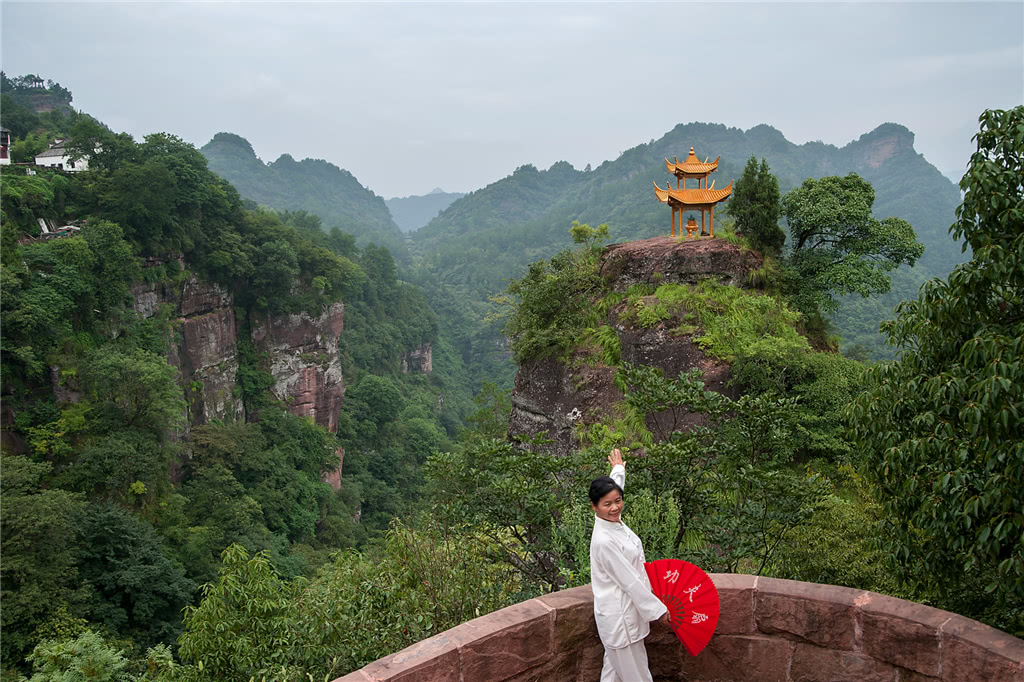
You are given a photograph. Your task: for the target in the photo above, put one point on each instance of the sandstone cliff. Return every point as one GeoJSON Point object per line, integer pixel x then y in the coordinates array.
{"type": "Point", "coordinates": [556, 398]}
{"type": "Point", "coordinates": [205, 346]}
{"type": "Point", "coordinates": [304, 360]}
{"type": "Point", "coordinates": [418, 360]}
{"type": "Point", "coordinates": [301, 353]}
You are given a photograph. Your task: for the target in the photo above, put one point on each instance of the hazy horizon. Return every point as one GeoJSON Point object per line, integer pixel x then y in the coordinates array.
{"type": "Point", "coordinates": [411, 97]}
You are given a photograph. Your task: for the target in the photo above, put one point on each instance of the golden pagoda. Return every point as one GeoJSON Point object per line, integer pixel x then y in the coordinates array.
{"type": "Point", "coordinates": [700, 198]}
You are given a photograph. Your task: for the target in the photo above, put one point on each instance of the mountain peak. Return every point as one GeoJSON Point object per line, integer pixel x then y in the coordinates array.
{"type": "Point", "coordinates": [893, 130]}
{"type": "Point", "coordinates": [230, 140]}
{"type": "Point", "coordinates": [881, 144]}
{"type": "Point", "coordinates": [765, 131]}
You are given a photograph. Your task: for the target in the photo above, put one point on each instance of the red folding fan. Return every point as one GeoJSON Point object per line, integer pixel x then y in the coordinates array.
{"type": "Point", "coordinates": [691, 598]}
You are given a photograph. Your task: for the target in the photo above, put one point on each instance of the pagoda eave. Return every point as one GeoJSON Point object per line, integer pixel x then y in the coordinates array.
{"type": "Point", "coordinates": [692, 199]}
{"type": "Point", "coordinates": [691, 169]}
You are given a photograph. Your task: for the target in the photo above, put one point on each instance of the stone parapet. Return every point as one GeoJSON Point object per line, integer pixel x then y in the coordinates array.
{"type": "Point", "coordinates": [770, 630]}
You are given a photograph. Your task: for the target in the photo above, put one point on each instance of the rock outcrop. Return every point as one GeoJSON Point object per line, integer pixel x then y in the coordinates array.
{"type": "Point", "coordinates": [665, 260]}
{"type": "Point", "coordinates": [301, 351]}
{"type": "Point", "coordinates": [205, 350]}
{"type": "Point", "coordinates": [305, 362]}
{"type": "Point", "coordinates": [419, 360]}
{"type": "Point", "coordinates": [554, 399]}
{"type": "Point", "coordinates": [885, 142]}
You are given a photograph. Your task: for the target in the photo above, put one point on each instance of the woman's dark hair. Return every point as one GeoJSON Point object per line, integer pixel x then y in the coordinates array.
{"type": "Point", "coordinates": [600, 487]}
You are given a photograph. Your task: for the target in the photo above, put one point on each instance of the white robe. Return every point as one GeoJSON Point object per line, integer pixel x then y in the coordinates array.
{"type": "Point", "coordinates": [623, 602]}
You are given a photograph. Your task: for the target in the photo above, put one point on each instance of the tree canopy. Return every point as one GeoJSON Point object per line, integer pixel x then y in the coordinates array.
{"type": "Point", "coordinates": [941, 425]}
{"type": "Point", "coordinates": [838, 246]}
{"type": "Point", "coordinates": [756, 209]}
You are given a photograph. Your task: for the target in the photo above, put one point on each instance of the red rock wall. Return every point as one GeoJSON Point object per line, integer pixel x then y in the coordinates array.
{"type": "Point", "coordinates": [552, 398]}
{"type": "Point", "coordinates": [770, 631]}
{"type": "Point", "coordinates": [205, 350]}
{"type": "Point", "coordinates": [666, 260]}
{"type": "Point", "coordinates": [305, 362]}
{"type": "Point", "coordinates": [303, 352]}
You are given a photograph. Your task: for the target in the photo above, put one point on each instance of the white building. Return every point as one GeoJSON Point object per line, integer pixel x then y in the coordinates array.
{"type": "Point", "coordinates": [58, 157]}
{"type": "Point", "coordinates": [5, 143]}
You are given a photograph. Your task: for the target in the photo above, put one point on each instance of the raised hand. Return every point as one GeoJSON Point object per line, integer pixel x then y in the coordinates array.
{"type": "Point", "coordinates": [615, 458]}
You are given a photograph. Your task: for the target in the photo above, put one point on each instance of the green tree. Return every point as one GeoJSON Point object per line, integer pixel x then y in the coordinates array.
{"type": "Point", "coordinates": [138, 591]}
{"type": "Point", "coordinates": [38, 572]}
{"type": "Point", "coordinates": [555, 299]}
{"type": "Point", "coordinates": [115, 267]}
{"type": "Point", "coordinates": [135, 389]}
{"type": "Point", "coordinates": [755, 207]}
{"type": "Point", "coordinates": [491, 418]}
{"type": "Point", "coordinates": [242, 626]}
{"type": "Point", "coordinates": [86, 657]}
{"type": "Point", "coordinates": [838, 247]}
{"type": "Point", "coordinates": [29, 147]}
{"type": "Point", "coordinates": [941, 426]}
{"type": "Point", "coordinates": [589, 237]}
{"type": "Point", "coordinates": [513, 497]}
{"type": "Point", "coordinates": [104, 149]}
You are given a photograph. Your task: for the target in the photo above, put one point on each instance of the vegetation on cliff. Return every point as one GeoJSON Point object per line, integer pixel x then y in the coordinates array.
{"type": "Point", "coordinates": [115, 510]}
{"type": "Point", "coordinates": [117, 519]}
{"type": "Point", "coordinates": [28, 103]}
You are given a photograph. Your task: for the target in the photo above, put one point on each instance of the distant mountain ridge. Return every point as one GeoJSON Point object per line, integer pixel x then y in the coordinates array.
{"type": "Point", "coordinates": [495, 232]}
{"type": "Point", "coordinates": [413, 212]}
{"type": "Point", "coordinates": [313, 185]}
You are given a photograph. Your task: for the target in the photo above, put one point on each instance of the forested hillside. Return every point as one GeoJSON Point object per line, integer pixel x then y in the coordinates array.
{"type": "Point", "coordinates": [240, 441]}
{"type": "Point", "coordinates": [413, 212]}
{"type": "Point", "coordinates": [313, 185]}
{"type": "Point", "coordinates": [490, 235]}
{"type": "Point", "coordinates": [156, 353]}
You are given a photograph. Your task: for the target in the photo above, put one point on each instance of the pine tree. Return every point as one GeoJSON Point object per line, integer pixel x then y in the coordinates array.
{"type": "Point", "coordinates": [756, 208]}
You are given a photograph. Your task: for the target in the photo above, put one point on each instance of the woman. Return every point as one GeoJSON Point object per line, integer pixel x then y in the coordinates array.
{"type": "Point", "coordinates": [623, 602]}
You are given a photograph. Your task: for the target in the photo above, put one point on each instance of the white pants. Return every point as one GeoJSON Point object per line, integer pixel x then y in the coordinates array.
{"type": "Point", "coordinates": [628, 664]}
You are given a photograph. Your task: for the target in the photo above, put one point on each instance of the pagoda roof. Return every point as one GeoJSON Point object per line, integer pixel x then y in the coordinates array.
{"type": "Point", "coordinates": [693, 197]}
{"type": "Point", "coordinates": [692, 165]}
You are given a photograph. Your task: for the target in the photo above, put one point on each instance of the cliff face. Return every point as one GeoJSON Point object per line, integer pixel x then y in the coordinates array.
{"type": "Point", "coordinates": [205, 348]}
{"type": "Point", "coordinates": [419, 360]}
{"type": "Point", "coordinates": [886, 141]}
{"type": "Point", "coordinates": [302, 354]}
{"type": "Point", "coordinates": [555, 398]}
{"type": "Point", "coordinates": [305, 362]}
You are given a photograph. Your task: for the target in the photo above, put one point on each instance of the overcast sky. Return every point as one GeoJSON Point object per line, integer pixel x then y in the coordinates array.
{"type": "Point", "coordinates": [412, 96]}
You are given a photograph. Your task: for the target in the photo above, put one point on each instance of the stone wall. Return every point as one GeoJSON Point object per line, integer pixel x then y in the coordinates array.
{"type": "Point", "coordinates": [770, 631]}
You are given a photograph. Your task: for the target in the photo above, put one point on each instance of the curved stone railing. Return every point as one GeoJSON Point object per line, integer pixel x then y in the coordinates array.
{"type": "Point", "coordinates": [769, 630]}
